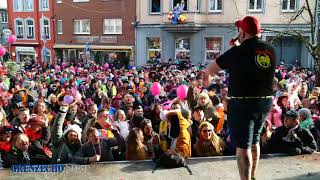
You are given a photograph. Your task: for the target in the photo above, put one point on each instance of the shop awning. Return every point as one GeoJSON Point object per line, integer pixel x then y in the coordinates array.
{"type": "Point", "coordinates": [25, 43]}
{"type": "Point", "coordinates": [93, 47]}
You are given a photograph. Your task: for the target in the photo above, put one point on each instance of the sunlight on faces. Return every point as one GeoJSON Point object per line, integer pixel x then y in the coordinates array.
{"type": "Point", "coordinates": [93, 110]}
{"type": "Point", "coordinates": [159, 109]}
{"type": "Point", "coordinates": [148, 129]}
{"type": "Point", "coordinates": [103, 118]}
{"type": "Point", "coordinates": [290, 122]}
{"type": "Point", "coordinates": [41, 107]}
{"type": "Point", "coordinates": [93, 137]}
{"type": "Point", "coordinates": [206, 133]}
{"type": "Point", "coordinates": [72, 137]}
{"type": "Point", "coordinates": [22, 142]}
{"type": "Point", "coordinates": [6, 137]}
{"type": "Point", "coordinates": [128, 98]}
{"type": "Point", "coordinates": [24, 117]}
{"type": "Point", "coordinates": [121, 116]}
{"type": "Point", "coordinates": [202, 101]}
{"type": "Point", "coordinates": [176, 107]}
{"type": "Point", "coordinates": [138, 112]}
{"type": "Point", "coordinates": [198, 115]}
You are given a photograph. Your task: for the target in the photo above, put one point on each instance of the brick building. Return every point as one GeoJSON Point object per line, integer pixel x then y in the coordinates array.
{"type": "Point", "coordinates": [3, 24]}
{"type": "Point", "coordinates": [94, 30]}
{"type": "Point", "coordinates": [32, 23]}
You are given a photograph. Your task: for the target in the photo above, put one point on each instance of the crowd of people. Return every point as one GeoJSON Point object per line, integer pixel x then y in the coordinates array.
{"type": "Point", "coordinates": [113, 115]}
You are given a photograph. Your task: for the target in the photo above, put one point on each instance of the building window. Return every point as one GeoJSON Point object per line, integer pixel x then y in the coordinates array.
{"type": "Point", "coordinates": [82, 26]}
{"type": "Point", "coordinates": [59, 27]}
{"type": "Point", "coordinates": [289, 5]}
{"type": "Point", "coordinates": [182, 52]}
{"type": "Point", "coordinates": [215, 5]}
{"type": "Point", "coordinates": [19, 29]}
{"type": "Point", "coordinates": [18, 5]}
{"type": "Point", "coordinates": [213, 48]}
{"type": "Point", "coordinates": [155, 6]}
{"type": "Point", "coordinates": [28, 5]}
{"type": "Point", "coordinates": [154, 49]}
{"type": "Point", "coordinates": [255, 5]}
{"type": "Point", "coordinates": [44, 5]}
{"type": "Point", "coordinates": [112, 26]}
{"type": "Point", "coordinates": [4, 17]}
{"type": "Point", "coordinates": [198, 5]}
{"type": "Point", "coordinates": [178, 2]}
{"type": "Point", "coordinates": [46, 28]}
{"type": "Point", "coordinates": [30, 28]}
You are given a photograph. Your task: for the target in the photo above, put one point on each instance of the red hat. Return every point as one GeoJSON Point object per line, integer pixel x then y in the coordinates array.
{"type": "Point", "coordinates": [36, 120]}
{"type": "Point", "coordinates": [249, 24]}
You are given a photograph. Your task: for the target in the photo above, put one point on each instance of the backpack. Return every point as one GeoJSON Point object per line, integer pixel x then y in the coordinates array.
{"type": "Point", "coordinates": [171, 161]}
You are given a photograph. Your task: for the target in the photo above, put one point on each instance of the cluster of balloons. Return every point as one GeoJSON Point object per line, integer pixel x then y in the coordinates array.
{"type": "Point", "coordinates": [11, 39]}
{"type": "Point", "coordinates": [182, 18]}
{"type": "Point", "coordinates": [182, 90]}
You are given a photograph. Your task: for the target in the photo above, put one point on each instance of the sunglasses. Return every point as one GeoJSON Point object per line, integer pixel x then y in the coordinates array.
{"type": "Point", "coordinates": [207, 130]}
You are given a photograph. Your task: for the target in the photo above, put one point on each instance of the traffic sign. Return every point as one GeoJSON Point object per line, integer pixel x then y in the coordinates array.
{"type": "Point", "coordinates": [44, 52]}
{"type": "Point", "coordinates": [6, 32]}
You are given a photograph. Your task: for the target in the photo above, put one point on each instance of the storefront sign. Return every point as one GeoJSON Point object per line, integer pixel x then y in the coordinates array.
{"type": "Point", "coordinates": [24, 49]}
{"type": "Point", "coordinates": [108, 39]}
{"type": "Point", "coordinates": [86, 39]}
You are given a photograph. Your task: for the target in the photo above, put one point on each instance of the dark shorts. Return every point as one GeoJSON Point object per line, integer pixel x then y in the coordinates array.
{"type": "Point", "coordinates": [246, 118]}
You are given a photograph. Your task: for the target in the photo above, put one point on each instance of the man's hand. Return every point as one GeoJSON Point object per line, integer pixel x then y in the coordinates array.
{"type": "Point", "coordinates": [95, 158]}
{"type": "Point", "coordinates": [207, 78]}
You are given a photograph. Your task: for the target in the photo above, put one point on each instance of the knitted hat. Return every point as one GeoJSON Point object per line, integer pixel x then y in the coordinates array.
{"type": "Point", "coordinates": [305, 113]}
{"type": "Point", "coordinates": [74, 128]}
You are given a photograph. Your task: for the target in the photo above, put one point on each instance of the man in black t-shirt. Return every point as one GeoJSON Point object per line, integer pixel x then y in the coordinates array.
{"type": "Point", "coordinates": [251, 66]}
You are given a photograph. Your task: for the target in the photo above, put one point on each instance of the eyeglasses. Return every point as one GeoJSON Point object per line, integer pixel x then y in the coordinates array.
{"type": "Point", "coordinates": [207, 130]}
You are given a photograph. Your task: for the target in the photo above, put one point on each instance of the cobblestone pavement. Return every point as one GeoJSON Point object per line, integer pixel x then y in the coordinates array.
{"type": "Point", "coordinates": [278, 167]}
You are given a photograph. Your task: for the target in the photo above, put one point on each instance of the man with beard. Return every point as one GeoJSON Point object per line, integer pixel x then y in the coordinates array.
{"type": "Point", "coordinates": [64, 143]}
{"type": "Point", "coordinates": [96, 149]}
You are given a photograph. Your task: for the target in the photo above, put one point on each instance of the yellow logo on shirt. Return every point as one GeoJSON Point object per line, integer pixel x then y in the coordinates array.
{"type": "Point", "coordinates": [263, 60]}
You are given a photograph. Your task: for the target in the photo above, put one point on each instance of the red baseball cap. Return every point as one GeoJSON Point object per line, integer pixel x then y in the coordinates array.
{"type": "Point", "coordinates": [249, 24]}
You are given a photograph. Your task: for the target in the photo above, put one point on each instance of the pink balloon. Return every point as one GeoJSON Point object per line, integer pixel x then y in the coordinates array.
{"type": "Point", "coordinates": [11, 39]}
{"type": "Point", "coordinates": [106, 65]}
{"type": "Point", "coordinates": [182, 91]}
{"type": "Point", "coordinates": [284, 75]}
{"type": "Point", "coordinates": [78, 97]}
{"type": "Point", "coordinates": [57, 68]}
{"type": "Point", "coordinates": [155, 88]}
{"type": "Point", "coordinates": [68, 99]}
{"type": "Point", "coordinates": [313, 78]}
{"type": "Point", "coordinates": [2, 51]}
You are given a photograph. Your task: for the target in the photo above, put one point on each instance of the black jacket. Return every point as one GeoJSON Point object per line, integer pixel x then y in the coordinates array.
{"type": "Point", "coordinates": [104, 148]}
{"type": "Point", "coordinates": [303, 143]}
{"type": "Point", "coordinates": [16, 156]}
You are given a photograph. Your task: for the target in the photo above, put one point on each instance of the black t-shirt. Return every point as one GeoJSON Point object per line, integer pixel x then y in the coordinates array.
{"type": "Point", "coordinates": [251, 67]}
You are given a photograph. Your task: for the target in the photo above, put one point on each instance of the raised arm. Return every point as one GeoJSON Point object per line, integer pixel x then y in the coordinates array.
{"type": "Point", "coordinates": [56, 130]}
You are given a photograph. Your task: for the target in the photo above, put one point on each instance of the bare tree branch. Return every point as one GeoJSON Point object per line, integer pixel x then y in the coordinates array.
{"type": "Point", "coordinates": [298, 14]}
{"type": "Point", "coordinates": [312, 21]}
{"type": "Point", "coordinates": [236, 5]}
